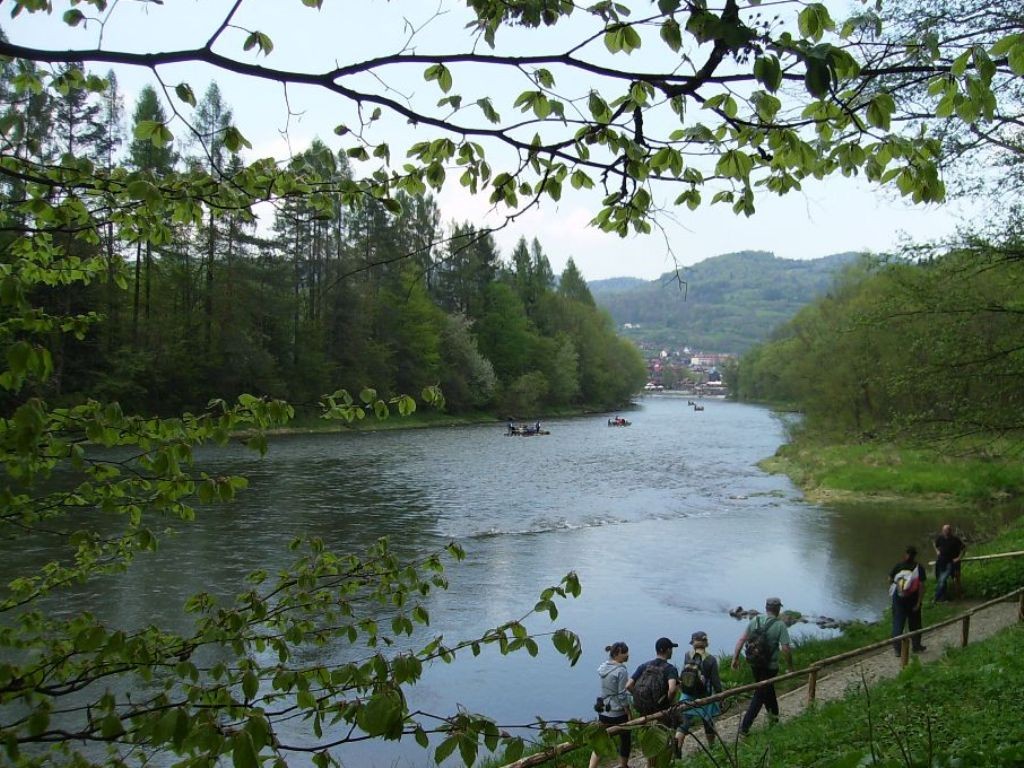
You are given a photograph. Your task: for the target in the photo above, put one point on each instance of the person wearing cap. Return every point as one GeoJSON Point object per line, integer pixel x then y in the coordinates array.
{"type": "Point", "coordinates": [663, 648]}
{"type": "Point", "coordinates": [777, 634]}
{"type": "Point", "coordinates": [712, 684]}
{"type": "Point", "coordinates": [906, 607]}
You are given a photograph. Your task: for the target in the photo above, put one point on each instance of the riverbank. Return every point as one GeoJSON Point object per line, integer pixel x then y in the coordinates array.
{"type": "Point", "coordinates": [982, 472]}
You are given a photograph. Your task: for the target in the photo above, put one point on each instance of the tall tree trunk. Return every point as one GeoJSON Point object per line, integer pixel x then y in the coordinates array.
{"type": "Point", "coordinates": [135, 293]}
{"type": "Point", "coordinates": [208, 298]}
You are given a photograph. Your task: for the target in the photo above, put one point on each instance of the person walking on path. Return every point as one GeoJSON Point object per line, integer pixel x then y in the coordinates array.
{"type": "Point", "coordinates": [655, 683]}
{"type": "Point", "coordinates": [765, 638]}
{"type": "Point", "coordinates": [613, 703]}
{"type": "Point", "coordinates": [948, 551]}
{"type": "Point", "coordinates": [907, 590]}
{"type": "Point", "coordinates": [699, 677]}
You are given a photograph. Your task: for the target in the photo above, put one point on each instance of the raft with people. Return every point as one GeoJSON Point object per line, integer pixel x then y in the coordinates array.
{"type": "Point", "coordinates": [618, 421]}
{"type": "Point", "coordinates": [525, 430]}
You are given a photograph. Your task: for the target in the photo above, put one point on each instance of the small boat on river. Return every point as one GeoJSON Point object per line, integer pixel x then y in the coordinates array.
{"type": "Point", "coordinates": [525, 430]}
{"type": "Point", "coordinates": [618, 421]}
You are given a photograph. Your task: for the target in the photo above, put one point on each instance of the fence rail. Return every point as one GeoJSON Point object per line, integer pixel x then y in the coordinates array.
{"type": "Point", "coordinates": [812, 672]}
{"type": "Point", "coordinates": [987, 557]}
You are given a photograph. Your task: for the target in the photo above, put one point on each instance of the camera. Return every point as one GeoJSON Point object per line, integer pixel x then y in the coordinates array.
{"type": "Point", "coordinates": [599, 705]}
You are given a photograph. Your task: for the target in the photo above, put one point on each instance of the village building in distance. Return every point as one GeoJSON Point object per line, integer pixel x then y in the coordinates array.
{"type": "Point", "coordinates": [685, 371]}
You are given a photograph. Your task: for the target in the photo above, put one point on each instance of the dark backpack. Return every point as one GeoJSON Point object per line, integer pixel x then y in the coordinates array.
{"type": "Point", "coordinates": [650, 692]}
{"type": "Point", "coordinates": [692, 680]}
{"type": "Point", "coordinates": [758, 648]}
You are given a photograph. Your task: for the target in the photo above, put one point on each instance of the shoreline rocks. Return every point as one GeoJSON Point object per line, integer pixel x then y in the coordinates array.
{"type": "Point", "coordinates": [793, 617]}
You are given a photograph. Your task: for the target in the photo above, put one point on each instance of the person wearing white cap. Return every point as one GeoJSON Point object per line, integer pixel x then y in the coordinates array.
{"type": "Point", "coordinates": [768, 636]}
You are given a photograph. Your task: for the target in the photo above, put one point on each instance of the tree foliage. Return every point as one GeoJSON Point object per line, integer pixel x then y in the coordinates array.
{"type": "Point", "coordinates": [716, 104]}
{"type": "Point", "coordinates": [929, 347]}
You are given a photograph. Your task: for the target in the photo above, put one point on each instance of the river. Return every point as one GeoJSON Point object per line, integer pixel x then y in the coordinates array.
{"type": "Point", "coordinates": [668, 522]}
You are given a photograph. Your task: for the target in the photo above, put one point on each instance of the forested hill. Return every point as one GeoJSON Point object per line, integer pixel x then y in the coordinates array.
{"type": "Point", "coordinates": [730, 302]}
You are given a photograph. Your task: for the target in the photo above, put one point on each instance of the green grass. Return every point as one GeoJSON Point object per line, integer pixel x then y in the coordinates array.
{"type": "Point", "coordinates": [964, 710]}
{"type": "Point", "coordinates": [888, 469]}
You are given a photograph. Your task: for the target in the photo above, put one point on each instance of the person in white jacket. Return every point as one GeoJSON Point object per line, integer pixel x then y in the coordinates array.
{"type": "Point", "coordinates": [613, 703]}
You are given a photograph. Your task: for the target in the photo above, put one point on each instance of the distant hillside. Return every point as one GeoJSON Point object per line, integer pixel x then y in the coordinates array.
{"type": "Point", "coordinates": [730, 302]}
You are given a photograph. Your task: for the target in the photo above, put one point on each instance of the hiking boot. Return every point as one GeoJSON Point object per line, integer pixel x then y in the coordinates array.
{"type": "Point", "coordinates": [921, 648]}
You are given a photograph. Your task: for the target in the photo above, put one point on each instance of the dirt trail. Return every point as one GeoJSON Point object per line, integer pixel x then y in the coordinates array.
{"type": "Point", "coordinates": [866, 669]}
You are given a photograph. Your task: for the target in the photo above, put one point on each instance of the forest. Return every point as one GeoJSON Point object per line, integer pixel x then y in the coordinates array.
{"type": "Point", "coordinates": [313, 300]}
{"type": "Point", "coordinates": [927, 346]}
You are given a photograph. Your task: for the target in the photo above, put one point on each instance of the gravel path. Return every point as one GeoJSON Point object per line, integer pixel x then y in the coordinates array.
{"type": "Point", "coordinates": [851, 677]}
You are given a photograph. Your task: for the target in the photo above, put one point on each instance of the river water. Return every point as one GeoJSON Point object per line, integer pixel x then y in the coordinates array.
{"type": "Point", "coordinates": [668, 522]}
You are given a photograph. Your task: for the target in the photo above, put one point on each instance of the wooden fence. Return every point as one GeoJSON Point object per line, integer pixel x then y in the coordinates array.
{"type": "Point", "coordinates": [812, 672]}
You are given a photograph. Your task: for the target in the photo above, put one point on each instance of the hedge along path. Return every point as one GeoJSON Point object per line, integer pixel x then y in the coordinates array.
{"type": "Point", "coordinates": [847, 672]}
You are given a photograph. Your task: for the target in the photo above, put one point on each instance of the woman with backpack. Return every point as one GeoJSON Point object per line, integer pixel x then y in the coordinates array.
{"type": "Point", "coordinates": [698, 677]}
{"type": "Point", "coordinates": [613, 704]}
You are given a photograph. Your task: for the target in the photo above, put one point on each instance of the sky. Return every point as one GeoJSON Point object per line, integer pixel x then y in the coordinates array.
{"type": "Point", "coordinates": [825, 217]}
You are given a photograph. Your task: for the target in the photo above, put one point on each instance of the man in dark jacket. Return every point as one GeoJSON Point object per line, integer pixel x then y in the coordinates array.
{"type": "Point", "coordinates": [906, 586]}
{"type": "Point", "coordinates": [948, 551]}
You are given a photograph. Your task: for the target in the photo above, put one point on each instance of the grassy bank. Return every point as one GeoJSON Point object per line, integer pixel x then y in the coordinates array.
{"type": "Point", "coordinates": [965, 709]}
{"type": "Point", "coordinates": [914, 475]}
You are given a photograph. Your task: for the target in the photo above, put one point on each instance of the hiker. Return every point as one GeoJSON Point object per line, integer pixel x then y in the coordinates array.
{"type": "Point", "coordinates": [763, 640]}
{"type": "Point", "coordinates": [948, 551]}
{"type": "Point", "coordinates": [613, 704]}
{"type": "Point", "coordinates": [698, 678]}
{"type": "Point", "coordinates": [906, 586]}
{"type": "Point", "coordinates": [654, 684]}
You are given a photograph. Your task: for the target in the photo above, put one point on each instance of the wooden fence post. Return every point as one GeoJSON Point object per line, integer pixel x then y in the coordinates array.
{"type": "Point", "coordinates": [1020, 607]}
{"type": "Point", "coordinates": [965, 631]}
{"type": "Point", "coordinates": [812, 683]}
{"type": "Point", "coordinates": [904, 651]}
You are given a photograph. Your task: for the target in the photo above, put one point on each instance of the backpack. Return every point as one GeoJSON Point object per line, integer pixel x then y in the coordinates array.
{"type": "Point", "coordinates": [692, 680]}
{"type": "Point", "coordinates": [906, 582]}
{"type": "Point", "coordinates": [758, 648]}
{"type": "Point", "coordinates": [650, 692]}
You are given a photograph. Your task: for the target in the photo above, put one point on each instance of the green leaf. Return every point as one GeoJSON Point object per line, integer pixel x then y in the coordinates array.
{"type": "Point", "coordinates": [445, 749]}
{"type": "Point", "coordinates": [111, 727]}
{"type": "Point", "coordinates": [184, 92]}
{"type": "Point", "coordinates": [817, 79]}
{"type": "Point", "coordinates": [768, 71]}
{"type": "Point", "coordinates": [734, 165]}
{"type": "Point", "coordinates": [250, 685]}
{"type": "Point", "coordinates": [488, 109]}
{"type": "Point", "coordinates": [880, 111]}
{"type": "Point", "coordinates": [1016, 60]}
{"type": "Point", "coordinates": [441, 74]}
{"type": "Point", "coordinates": [467, 749]}
{"type": "Point", "coordinates": [243, 752]}
{"type": "Point", "coordinates": [234, 140]}
{"type": "Point", "coordinates": [814, 20]}
{"type": "Point", "coordinates": [671, 34]}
